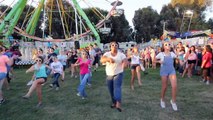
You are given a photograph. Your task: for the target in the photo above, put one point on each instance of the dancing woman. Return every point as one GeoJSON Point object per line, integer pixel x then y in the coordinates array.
{"type": "Point", "coordinates": [4, 61]}
{"type": "Point", "coordinates": [167, 71]}
{"type": "Point", "coordinates": [206, 63]}
{"type": "Point", "coordinates": [41, 77]}
{"type": "Point", "coordinates": [84, 63]}
{"type": "Point", "coordinates": [135, 66]}
{"type": "Point", "coordinates": [115, 62]}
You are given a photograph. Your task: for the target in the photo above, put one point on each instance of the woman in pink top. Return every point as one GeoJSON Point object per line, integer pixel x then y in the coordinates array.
{"type": "Point", "coordinates": [191, 57]}
{"type": "Point", "coordinates": [4, 60]}
{"type": "Point", "coordinates": [206, 63]}
{"type": "Point", "coordinates": [147, 57]}
{"type": "Point", "coordinates": [83, 62]}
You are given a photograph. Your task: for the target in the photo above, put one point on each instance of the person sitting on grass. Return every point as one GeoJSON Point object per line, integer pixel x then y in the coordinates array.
{"type": "Point", "coordinates": [41, 77]}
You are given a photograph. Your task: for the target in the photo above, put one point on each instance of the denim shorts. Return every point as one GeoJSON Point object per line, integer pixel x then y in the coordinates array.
{"type": "Point", "coordinates": [2, 75]}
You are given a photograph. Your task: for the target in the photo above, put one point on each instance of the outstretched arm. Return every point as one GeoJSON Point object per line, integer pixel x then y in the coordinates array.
{"type": "Point", "coordinates": [32, 68]}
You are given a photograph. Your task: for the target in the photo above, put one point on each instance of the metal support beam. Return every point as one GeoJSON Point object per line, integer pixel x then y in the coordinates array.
{"type": "Point", "coordinates": [10, 21]}
{"type": "Point", "coordinates": [84, 16]}
{"type": "Point", "coordinates": [34, 20]}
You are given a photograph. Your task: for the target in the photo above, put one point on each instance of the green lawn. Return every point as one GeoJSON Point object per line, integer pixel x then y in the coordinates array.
{"type": "Point", "coordinates": [194, 100]}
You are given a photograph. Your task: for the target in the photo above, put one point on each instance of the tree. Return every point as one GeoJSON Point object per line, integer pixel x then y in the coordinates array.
{"type": "Point", "coordinates": [171, 18]}
{"type": "Point", "coordinates": [198, 7]}
{"type": "Point", "coordinates": [146, 22]}
{"type": "Point", "coordinates": [177, 21]}
{"type": "Point", "coordinates": [120, 29]}
{"type": "Point", "coordinates": [210, 24]}
{"type": "Point", "coordinates": [200, 3]}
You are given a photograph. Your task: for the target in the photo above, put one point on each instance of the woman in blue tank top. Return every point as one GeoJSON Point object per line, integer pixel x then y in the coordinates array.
{"type": "Point", "coordinates": [40, 74]}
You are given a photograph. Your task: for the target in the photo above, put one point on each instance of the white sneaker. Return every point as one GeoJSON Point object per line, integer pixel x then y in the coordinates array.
{"type": "Point", "coordinates": [162, 104]}
{"type": "Point", "coordinates": [207, 82]}
{"type": "Point", "coordinates": [174, 106]}
{"type": "Point", "coordinates": [57, 88]}
{"type": "Point", "coordinates": [89, 85]}
{"type": "Point", "coordinates": [83, 98]}
{"type": "Point", "coordinates": [30, 83]}
{"type": "Point", "coordinates": [78, 94]}
{"type": "Point", "coordinates": [51, 85]}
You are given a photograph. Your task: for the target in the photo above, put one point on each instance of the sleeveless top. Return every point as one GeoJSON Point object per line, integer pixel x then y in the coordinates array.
{"type": "Point", "coordinates": [40, 71]}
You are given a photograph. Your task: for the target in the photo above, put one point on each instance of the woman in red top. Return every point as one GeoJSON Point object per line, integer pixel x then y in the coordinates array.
{"type": "Point", "coordinates": [206, 63]}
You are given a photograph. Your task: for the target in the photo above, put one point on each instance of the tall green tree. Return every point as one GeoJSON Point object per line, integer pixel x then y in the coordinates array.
{"type": "Point", "coordinates": [146, 21]}
{"type": "Point", "coordinates": [120, 29]}
{"type": "Point", "coordinates": [170, 18]}
{"type": "Point", "coordinates": [210, 24]}
{"type": "Point", "coordinates": [198, 7]}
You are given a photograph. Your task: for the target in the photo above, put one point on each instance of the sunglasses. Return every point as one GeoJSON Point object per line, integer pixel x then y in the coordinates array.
{"type": "Point", "coordinates": [39, 60]}
{"type": "Point", "coordinates": [114, 45]}
{"type": "Point", "coordinates": [167, 45]}
{"type": "Point", "coordinates": [84, 53]}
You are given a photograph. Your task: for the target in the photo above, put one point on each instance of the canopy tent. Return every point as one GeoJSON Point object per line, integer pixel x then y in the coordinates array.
{"type": "Point", "coordinates": [186, 34]}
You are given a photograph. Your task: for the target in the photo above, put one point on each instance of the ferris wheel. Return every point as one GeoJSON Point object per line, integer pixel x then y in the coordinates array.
{"type": "Point", "coordinates": [24, 17]}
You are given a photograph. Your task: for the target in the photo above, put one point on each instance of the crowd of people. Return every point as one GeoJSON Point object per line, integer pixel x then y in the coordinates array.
{"type": "Point", "coordinates": [193, 60]}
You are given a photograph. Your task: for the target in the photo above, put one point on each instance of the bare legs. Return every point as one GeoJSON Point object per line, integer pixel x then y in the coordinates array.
{"type": "Point", "coordinates": [137, 71]}
{"type": "Point", "coordinates": [173, 81]}
{"type": "Point", "coordinates": [36, 85]}
{"type": "Point", "coordinates": [190, 70]}
{"type": "Point", "coordinates": [1, 84]}
{"type": "Point", "coordinates": [73, 70]}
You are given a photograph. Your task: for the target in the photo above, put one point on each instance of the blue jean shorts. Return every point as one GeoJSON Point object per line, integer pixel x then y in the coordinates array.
{"type": "Point", "coordinates": [2, 75]}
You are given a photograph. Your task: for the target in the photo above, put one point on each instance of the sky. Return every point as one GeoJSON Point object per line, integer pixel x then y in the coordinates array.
{"type": "Point", "coordinates": [130, 6]}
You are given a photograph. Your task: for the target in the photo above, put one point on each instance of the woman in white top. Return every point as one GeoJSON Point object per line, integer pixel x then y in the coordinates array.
{"type": "Point", "coordinates": [135, 66]}
{"type": "Point", "coordinates": [115, 62]}
{"type": "Point", "coordinates": [167, 71]}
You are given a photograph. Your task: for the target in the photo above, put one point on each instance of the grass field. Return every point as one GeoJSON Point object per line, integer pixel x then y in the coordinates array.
{"type": "Point", "coordinates": [194, 100]}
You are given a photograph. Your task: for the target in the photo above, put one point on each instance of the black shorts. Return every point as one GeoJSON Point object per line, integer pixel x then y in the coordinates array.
{"type": "Point", "coordinates": [191, 61]}
{"type": "Point", "coordinates": [134, 66]}
{"type": "Point", "coordinates": [207, 72]}
{"type": "Point", "coordinates": [96, 60]}
{"type": "Point", "coordinates": [45, 78]}
{"type": "Point", "coordinates": [64, 67]}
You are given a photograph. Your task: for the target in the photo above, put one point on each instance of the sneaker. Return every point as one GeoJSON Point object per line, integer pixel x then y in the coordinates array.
{"type": "Point", "coordinates": [203, 80]}
{"type": "Point", "coordinates": [39, 105]}
{"type": "Point", "coordinates": [83, 98]}
{"type": "Point", "coordinates": [89, 85]}
{"type": "Point", "coordinates": [25, 97]}
{"type": "Point", "coordinates": [162, 104]}
{"type": "Point", "coordinates": [51, 85]}
{"type": "Point", "coordinates": [2, 101]}
{"type": "Point", "coordinates": [57, 88]}
{"type": "Point", "coordinates": [78, 94]}
{"type": "Point", "coordinates": [207, 82]}
{"type": "Point", "coordinates": [30, 83]}
{"type": "Point", "coordinates": [72, 76]}
{"type": "Point", "coordinates": [174, 106]}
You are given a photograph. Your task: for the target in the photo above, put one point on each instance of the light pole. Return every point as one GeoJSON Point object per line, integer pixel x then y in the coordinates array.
{"type": "Point", "coordinates": [186, 14]}
{"type": "Point", "coordinates": [189, 14]}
